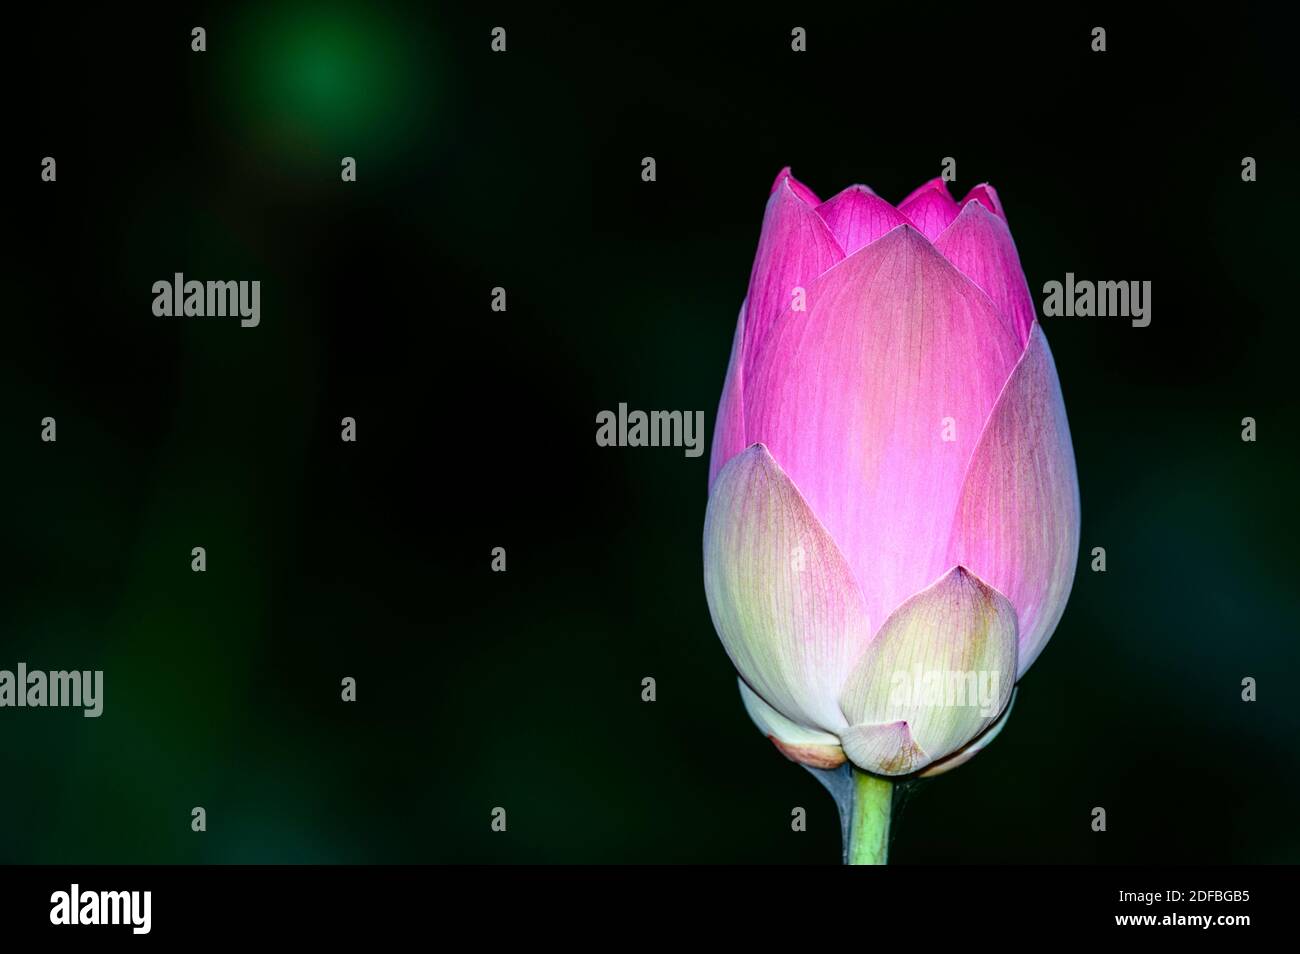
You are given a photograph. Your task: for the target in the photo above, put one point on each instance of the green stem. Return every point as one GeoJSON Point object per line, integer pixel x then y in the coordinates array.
{"type": "Point", "coordinates": [866, 841]}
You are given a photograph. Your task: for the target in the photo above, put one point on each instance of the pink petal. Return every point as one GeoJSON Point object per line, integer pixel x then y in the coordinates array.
{"type": "Point", "coordinates": [782, 596]}
{"type": "Point", "coordinates": [851, 398]}
{"type": "Point", "coordinates": [939, 672]}
{"type": "Point", "coordinates": [1017, 523]}
{"type": "Point", "coordinates": [857, 217]}
{"type": "Point", "coordinates": [935, 184]}
{"type": "Point", "coordinates": [987, 196]}
{"type": "Point", "coordinates": [979, 243]}
{"type": "Point", "coordinates": [931, 211]}
{"type": "Point", "coordinates": [801, 190]}
{"type": "Point", "coordinates": [794, 248]}
{"type": "Point", "coordinates": [729, 431]}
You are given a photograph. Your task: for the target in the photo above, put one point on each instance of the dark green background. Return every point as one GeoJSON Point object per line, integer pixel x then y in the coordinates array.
{"type": "Point", "coordinates": [476, 429]}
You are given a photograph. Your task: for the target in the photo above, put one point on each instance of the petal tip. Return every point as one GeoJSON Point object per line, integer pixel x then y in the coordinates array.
{"type": "Point", "coordinates": [780, 178]}
{"type": "Point", "coordinates": [813, 756]}
{"type": "Point", "coordinates": [937, 184]}
{"type": "Point", "coordinates": [796, 188]}
{"type": "Point", "coordinates": [886, 748]}
{"type": "Point", "coordinates": [986, 196]}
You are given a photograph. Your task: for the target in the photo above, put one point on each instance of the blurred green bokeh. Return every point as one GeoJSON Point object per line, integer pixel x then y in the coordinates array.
{"type": "Point", "coordinates": [305, 77]}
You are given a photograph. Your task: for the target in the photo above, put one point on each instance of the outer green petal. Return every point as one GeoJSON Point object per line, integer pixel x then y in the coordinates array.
{"type": "Point", "coordinates": [970, 751]}
{"type": "Point", "coordinates": [885, 748]}
{"type": "Point", "coordinates": [782, 596]}
{"type": "Point", "coordinates": [797, 743]}
{"type": "Point", "coordinates": [938, 673]}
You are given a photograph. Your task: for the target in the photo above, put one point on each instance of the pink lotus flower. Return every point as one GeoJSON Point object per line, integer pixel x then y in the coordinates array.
{"type": "Point", "coordinates": [892, 491]}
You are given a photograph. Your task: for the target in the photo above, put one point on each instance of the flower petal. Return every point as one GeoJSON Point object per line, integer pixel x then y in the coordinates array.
{"type": "Point", "coordinates": [980, 244]}
{"type": "Point", "coordinates": [782, 597]}
{"type": "Point", "coordinates": [885, 748]}
{"type": "Point", "coordinates": [794, 248]}
{"type": "Point", "coordinates": [936, 183]}
{"type": "Point", "coordinates": [729, 431]}
{"type": "Point", "coordinates": [931, 209]}
{"type": "Point", "coordinates": [801, 190]}
{"type": "Point", "coordinates": [857, 217]}
{"type": "Point", "coordinates": [1017, 522]}
{"type": "Point", "coordinates": [987, 196]}
{"type": "Point", "coordinates": [971, 749]}
{"type": "Point", "coordinates": [797, 743]}
{"type": "Point", "coordinates": [873, 401]}
{"type": "Point", "coordinates": [943, 666]}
